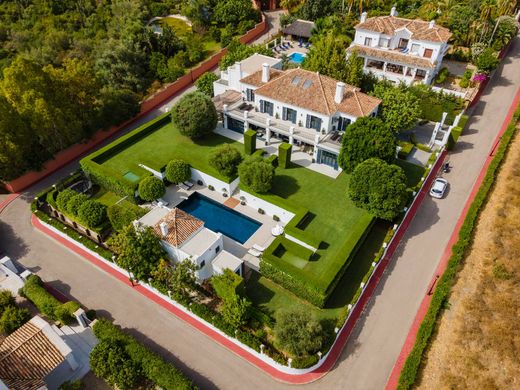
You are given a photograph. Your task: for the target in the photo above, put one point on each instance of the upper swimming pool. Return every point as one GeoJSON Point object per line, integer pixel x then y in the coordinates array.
{"type": "Point", "coordinates": [219, 218]}
{"type": "Point", "coordinates": [296, 57]}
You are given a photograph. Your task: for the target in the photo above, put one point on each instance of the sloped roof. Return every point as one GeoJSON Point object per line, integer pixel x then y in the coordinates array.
{"type": "Point", "coordinates": [420, 29]}
{"type": "Point", "coordinates": [316, 92]}
{"type": "Point", "coordinates": [393, 56]}
{"type": "Point", "coordinates": [181, 226]}
{"type": "Point", "coordinates": [300, 28]}
{"type": "Point", "coordinates": [27, 356]}
{"type": "Point", "coordinates": [255, 79]}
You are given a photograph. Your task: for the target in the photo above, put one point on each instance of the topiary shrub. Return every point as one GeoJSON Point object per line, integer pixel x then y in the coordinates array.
{"type": "Point", "coordinates": [284, 155]}
{"type": "Point", "coordinates": [249, 142]}
{"type": "Point", "coordinates": [226, 159]}
{"type": "Point", "coordinates": [151, 188]}
{"type": "Point", "coordinates": [178, 171]}
{"type": "Point", "coordinates": [75, 203]}
{"type": "Point", "coordinates": [91, 213]}
{"type": "Point", "coordinates": [63, 199]}
{"type": "Point", "coordinates": [194, 115]}
{"type": "Point", "coordinates": [257, 174]}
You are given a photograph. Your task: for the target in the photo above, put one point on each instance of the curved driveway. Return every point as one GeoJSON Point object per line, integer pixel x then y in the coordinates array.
{"type": "Point", "coordinates": [378, 337]}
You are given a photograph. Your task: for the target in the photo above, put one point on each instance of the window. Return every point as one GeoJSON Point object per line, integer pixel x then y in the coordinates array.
{"type": "Point", "coordinates": [202, 264]}
{"type": "Point", "coordinates": [250, 95]}
{"type": "Point", "coordinates": [266, 107]}
{"type": "Point", "coordinates": [217, 249]}
{"type": "Point", "coordinates": [296, 80]}
{"type": "Point", "coordinates": [313, 122]}
{"type": "Point", "coordinates": [368, 41]}
{"type": "Point", "coordinates": [383, 42]}
{"type": "Point", "coordinates": [428, 53]}
{"type": "Point", "coordinates": [415, 48]}
{"type": "Point", "coordinates": [343, 123]}
{"type": "Point", "coordinates": [403, 43]}
{"type": "Point", "coordinates": [288, 114]}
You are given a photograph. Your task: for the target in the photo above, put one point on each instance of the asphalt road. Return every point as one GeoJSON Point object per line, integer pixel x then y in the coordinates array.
{"type": "Point", "coordinates": [379, 335]}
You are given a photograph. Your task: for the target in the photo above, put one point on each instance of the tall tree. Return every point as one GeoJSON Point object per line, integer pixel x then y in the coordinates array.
{"type": "Point", "coordinates": [327, 56]}
{"type": "Point", "coordinates": [355, 66]}
{"type": "Point", "coordinates": [400, 108]}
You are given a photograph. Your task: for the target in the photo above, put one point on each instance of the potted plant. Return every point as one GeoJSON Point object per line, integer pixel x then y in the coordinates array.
{"type": "Point", "coordinates": [211, 188]}
{"type": "Point", "coordinates": [261, 211]}
{"type": "Point", "coordinates": [243, 200]}
{"type": "Point", "coordinates": [277, 116]}
{"type": "Point", "coordinates": [300, 123]}
{"type": "Point", "coordinates": [224, 193]}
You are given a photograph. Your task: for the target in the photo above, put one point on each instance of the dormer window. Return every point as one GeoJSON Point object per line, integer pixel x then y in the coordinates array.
{"type": "Point", "coordinates": [403, 43]}
{"type": "Point", "coordinates": [368, 41]}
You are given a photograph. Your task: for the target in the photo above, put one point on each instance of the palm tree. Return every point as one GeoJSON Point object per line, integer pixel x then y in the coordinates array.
{"type": "Point", "coordinates": [487, 9]}
{"type": "Point", "coordinates": [505, 7]}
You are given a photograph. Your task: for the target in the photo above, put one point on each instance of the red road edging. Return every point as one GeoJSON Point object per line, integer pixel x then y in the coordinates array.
{"type": "Point", "coordinates": [342, 337]}
{"type": "Point", "coordinates": [7, 201]}
{"type": "Point", "coordinates": [425, 304]}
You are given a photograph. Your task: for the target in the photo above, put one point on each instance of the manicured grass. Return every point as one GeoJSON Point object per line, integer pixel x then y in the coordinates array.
{"type": "Point", "coordinates": [270, 297]}
{"type": "Point", "coordinates": [109, 198]}
{"type": "Point", "coordinates": [155, 150]}
{"type": "Point", "coordinates": [180, 27]}
{"type": "Point", "coordinates": [413, 172]}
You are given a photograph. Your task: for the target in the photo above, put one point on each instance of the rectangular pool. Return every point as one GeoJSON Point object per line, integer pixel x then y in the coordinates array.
{"type": "Point", "coordinates": [220, 218]}
{"type": "Point", "coordinates": [296, 57]}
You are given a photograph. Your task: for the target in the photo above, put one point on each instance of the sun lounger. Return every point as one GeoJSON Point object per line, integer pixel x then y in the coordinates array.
{"type": "Point", "coordinates": [254, 252]}
{"type": "Point", "coordinates": [188, 184]}
{"type": "Point", "coordinates": [183, 186]}
{"type": "Point", "coordinates": [258, 248]}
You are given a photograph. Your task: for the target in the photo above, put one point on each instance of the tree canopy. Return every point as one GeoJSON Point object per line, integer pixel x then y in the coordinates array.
{"type": "Point", "coordinates": [327, 56]}
{"type": "Point", "coordinates": [238, 51]}
{"type": "Point", "coordinates": [151, 188]}
{"type": "Point", "coordinates": [400, 108]}
{"type": "Point", "coordinates": [205, 83]}
{"type": "Point", "coordinates": [298, 333]}
{"type": "Point", "coordinates": [366, 138]}
{"type": "Point", "coordinates": [226, 159]}
{"type": "Point", "coordinates": [194, 115]}
{"type": "Point", "coordinates": [256, 173]}
{"type": "Point", "coordinates": [379, 188]}
{"type": "Point", "coordinates": [178, 171]}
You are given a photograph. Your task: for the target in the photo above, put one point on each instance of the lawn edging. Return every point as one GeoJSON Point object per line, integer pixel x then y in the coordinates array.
{"type": "Point", "coordinates": [455, 252]}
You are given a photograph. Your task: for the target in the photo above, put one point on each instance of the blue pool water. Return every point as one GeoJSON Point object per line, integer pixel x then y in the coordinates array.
{"type": "Point", "coordinates": [296, 57]}
{"type": "Point", "coordinates": [219, 218]}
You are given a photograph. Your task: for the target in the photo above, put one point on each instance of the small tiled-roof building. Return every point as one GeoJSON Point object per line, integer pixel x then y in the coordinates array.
{"type": "Point", "coordinates": [31, 355]}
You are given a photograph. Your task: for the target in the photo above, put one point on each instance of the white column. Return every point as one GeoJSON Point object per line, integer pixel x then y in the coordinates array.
{"type": "Point", "coordinates": [267, 131]}
{"type": "Point", "coordinates": [414, 73]}
{"type": "Point", "coordinates": [246, 123]}
{"type": "Point", "coordinates": [405, 70]}
{"type": "Point", "coordinates": [427, 77]}
{"type": "Point", "coordinates": [384, 66]}
{"type": "Point", "coordinates": [366, 62]}
{"type": "Point", "coordinates": [225, 116]}
{"type": "Point", "coordinates": [291, 132]}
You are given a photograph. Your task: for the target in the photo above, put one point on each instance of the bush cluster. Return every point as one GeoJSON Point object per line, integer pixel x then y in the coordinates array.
{"type": "Point", "coordinates": [257, 174]}
{"type": "Point", "coordinates": [11, 316]}
{"type": "Point", "coordinates": [34, 291]}
{"type": "Point", "coordinates": [151, 188]}
{"type": "Point", "coordinates": [178, 171]}
{"type": "Point", "coordinates": [226, 159]}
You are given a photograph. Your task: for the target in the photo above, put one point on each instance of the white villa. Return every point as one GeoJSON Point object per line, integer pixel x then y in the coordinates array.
{"type": "Point", "coordinates": [400, 50]}
{"type": "Point", "coordinates": [304, 108]}
{"type": "Point", "coordinates": [183, 236]}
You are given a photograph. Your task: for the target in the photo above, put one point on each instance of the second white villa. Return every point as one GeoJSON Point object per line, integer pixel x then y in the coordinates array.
{"type": "Point", "coordinates": [399, 49]}
{"type": "Point", "coordinates": [306, 109]}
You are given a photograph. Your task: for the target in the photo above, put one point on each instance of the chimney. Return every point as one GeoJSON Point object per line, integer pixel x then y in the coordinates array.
{"type": "Point", "coordinates": [393, 11]}
{"type": "Point", "coordinates": [432, 24]}
{"type": "Point", "coordinates": [340, 91]}
{"type": "Point", "coordinates": [164, 228]}
{"type": "Point", "coordinates": [238, 67]}
{"type": "Point", "coordinates": [265, 73]}
{"type": "Point", "coordinates": [363, 17]}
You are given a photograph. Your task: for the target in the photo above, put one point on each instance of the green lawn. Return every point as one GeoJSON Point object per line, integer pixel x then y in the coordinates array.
{"type": "Point", "coordinates": [109, 198]}
{"type": "Point", "coordinates": [180, 27]}
{"type": "Point", "coordinates": [412, 171]}
{"type": "Point", "coordinates": [270, 297]}
{"type": "Point", "coordinates": [155, 150]}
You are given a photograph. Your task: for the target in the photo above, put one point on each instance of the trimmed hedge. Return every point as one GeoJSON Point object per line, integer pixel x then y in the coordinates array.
{"type": "Point", "coordinates": [411, 367]}
{"type": "Point", "coordinates": [249, 142]}
{"type": "Point", "coordinates": [155, 368]}
{"type": "Point", "coordinates": [406, 149]}
{"type": "Point", "coordinates": [284, 154]}
{"type": "Point", "coordinates": [273, 160]}
{"type": "Point", "coordinates": [453, 138]}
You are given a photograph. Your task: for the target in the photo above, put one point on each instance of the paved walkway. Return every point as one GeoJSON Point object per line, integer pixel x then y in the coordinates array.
{"type": "Point", "coordinates": [377, 339]}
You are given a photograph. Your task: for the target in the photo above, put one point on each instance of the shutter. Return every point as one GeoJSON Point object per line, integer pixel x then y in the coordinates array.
{"type": "Point", "coordinates": [262, 106]}
{"type": "Point", "coordinates": [284, 113]}
{"type": "Point", "coordinates": [308, 122]}
{"type": "Point", "coordinates": [319, 124]}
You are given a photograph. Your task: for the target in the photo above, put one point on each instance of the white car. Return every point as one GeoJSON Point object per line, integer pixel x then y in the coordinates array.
{"type": "Point", "coordinates": [438, 188]}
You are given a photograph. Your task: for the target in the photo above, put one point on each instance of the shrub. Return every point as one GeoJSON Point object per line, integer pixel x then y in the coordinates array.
{"type": "Point", "coordinates": [487, 61]}
{"type": "Point", "coordinates": [235, 310]}
{"type": "Point", "coordinates": [364, 139]}
{"type": "Point", "coordinates": [6, 299]}
{"type": "Point", "coordinates": [249, 339]}
{"type": "Point", "coordinates": [284, 155]}
{"type": "Point", "coordinates": [76, 385]}
{"type": "Point", "coordinates": [75, 203]}
{"type": "Point", "coordinates": [92, 213]}
{"type": "Point", "coordinates": [379, 188]}
{"type": "Point", "coordinates": [228, 284]}
{"type": "Point", "coordinates": [120, 216]}
{"type": "Point", "coordinates": [178, 171]}
{"type": "Point", "coordinates": [464, 83]}
{"type": "Point", "coordinates": [65, 312]}
{"type": "Point", "coordinates": [34, 291]}
{"type": "Point", "coordinates": [453, 138]}
{"type": "Point", "coordinates": [249, 142]}
{"type": "Point", "coordinates": [257, 174]}
{"type": "Point", "coordinates": [298, 333]}
{"type": "Point", "coordinates": [151, 188]}
{"type": "Point", "coordinates": [12, 318]}
{"type": "Point", "coordinates": [442, 76]}
{"type": "Point", "coordinates": [194, 115]}
{"type": "Point", "coordinates": [205, 82]}
{"type": "Point", "coordinates": [406, 148]}
{"type": "Point", "coordinates": [226, 159]}
{"type": "Point", "coordinates": [63, 199]}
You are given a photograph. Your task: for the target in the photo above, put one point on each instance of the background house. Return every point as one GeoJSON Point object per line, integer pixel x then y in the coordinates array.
{"type": "Point", "coordinates": [400, 50]}
{"type": "Point", "coordinates": [306, 109]}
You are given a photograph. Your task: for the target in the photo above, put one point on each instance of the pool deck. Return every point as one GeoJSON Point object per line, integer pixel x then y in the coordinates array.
{"type": "Point", "coordinates": [262, 237]}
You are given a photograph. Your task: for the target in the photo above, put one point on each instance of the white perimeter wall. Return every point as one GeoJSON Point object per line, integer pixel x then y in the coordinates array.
{"type": "Point", "coordinates": [208, 180]}
{"type": "Point", "coordinates": [269, 208]}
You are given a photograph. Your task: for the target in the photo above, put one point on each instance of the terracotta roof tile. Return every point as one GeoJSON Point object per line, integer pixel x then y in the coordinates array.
{"type": "Point", "coordinates": [393, 56]}
{"type": "Point", "coordinates": [27, 356]}
{"type": "Point", "coordinates": [255, 79]}
{"type": "Point", "coordinates": [181, 226]}
{"type": "Point", "coordinates": [316, 92]}
{"type": "Point", "coordinates": [420, 29]}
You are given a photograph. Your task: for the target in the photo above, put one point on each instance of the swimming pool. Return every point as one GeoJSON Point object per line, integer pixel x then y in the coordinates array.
{"type": "Point", "coordinates": [219, 218]}
{"type": "Point", "coordinates": [296, 57]}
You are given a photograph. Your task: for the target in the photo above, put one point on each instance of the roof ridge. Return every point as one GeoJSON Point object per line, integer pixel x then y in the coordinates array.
{"type": "Point", "coordinates": [3, 357]}
{"type": "Point", "coordinates": [323, 93]}
{"type": "Point", "coordinates": [354, 91]}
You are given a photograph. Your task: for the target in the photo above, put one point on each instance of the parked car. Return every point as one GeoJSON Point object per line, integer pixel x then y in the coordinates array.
{"type": "Point", "coordinates": [438, 188]}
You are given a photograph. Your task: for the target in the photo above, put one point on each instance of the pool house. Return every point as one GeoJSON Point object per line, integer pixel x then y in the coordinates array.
{"type": "Point", "coordinates": [306, 109]}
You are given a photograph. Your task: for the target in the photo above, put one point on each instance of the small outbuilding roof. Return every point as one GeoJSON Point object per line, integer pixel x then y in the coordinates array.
{"type": "Point", "coordinates": [226, 260]}
{"type": "Point", "coordinates": [299, 28]}
{"type": "Point", "coordinates": [180, 225]}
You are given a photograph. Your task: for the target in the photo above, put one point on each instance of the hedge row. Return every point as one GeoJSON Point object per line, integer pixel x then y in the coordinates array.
{"type": "Point", "coordinates": [406, 149]}
{"type": "Point", "coordinates": [284, 154]}
{"type": "Point", "coordinates": [249, 142]}
{"type": "Point", "coordinates": [46, 303]}
{"type": "Point", "coordinates": [410, 369]}
{"type": "Point", "coordinates": [454, 137]}
{"type": "Point", "coordinates": [154, 368]}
